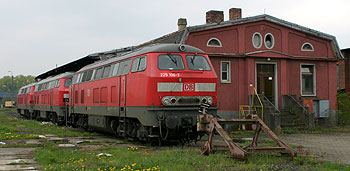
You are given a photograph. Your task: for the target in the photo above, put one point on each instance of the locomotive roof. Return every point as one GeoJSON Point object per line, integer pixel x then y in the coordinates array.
{"type": "Point", "coordinates": [144, 50]}
{"type": "Point", "coordinates": [31, 84]}
{"type": "Point", "coordinates": [64, 75]}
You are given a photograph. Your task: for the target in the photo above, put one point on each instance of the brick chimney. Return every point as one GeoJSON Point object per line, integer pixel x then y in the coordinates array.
{"type": "Point", "coordinates": [213, 16]}
{"type": "Point", "coordinates": [181, 23]}
{"type": "Point", "coordinates": [235, 13]}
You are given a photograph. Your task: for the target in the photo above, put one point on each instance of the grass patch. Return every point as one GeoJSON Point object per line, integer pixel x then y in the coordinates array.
{"type": "Point", "coordinates": [13, 128]}
{"type": "Point", "coordinates": [167, 158]}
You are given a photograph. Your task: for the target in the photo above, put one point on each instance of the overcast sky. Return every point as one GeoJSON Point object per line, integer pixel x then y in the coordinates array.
{"type": "Point", "coordinates": [37, 35]}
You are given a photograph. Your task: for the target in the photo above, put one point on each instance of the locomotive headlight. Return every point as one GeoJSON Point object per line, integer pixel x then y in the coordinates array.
{"type": "Point", "coordinates": [210, 100]}
{"type": "Point", "coordinates": [165, 101]}
{"type": "Point", "coordinates": [204, 100]}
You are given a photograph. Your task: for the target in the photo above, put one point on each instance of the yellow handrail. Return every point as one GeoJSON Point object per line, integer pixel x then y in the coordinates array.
{"type": "Point", "coordinates": [245, 110]}
{"type": "Point", "coordinates": [261, 104]}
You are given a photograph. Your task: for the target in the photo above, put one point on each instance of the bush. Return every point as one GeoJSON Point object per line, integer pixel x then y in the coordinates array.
{"type": "Point", "coordinates": [344, 108]}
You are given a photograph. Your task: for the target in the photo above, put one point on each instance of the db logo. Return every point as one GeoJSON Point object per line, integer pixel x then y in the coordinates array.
{"type": "Point", "coordinates": [189, 87]}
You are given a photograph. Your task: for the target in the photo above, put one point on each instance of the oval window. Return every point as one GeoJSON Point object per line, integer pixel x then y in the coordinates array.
{"type": "Point", "coordinates": [269, 41]}
{"type": "Point", "coordinates": [257, 40]}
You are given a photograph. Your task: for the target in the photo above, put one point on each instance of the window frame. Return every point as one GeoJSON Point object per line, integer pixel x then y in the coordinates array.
{"type": "Point", "coordinates": [261, 40]}
{"type": "Point", "coordinates": [138, 61]}
{"type": "Point", "coordinates": [306, 50]}
{"type": "Point", "coordinates": [273, 40]}
{"type": "Point", "coordinates": [200, 56]}
{"type": "Point", "coordinates": [228, 81]}
{"type": "Point", "coordinates": [182, 60]}
{"type": "Point", "coordinates": [215, 39]}
{"type": "Point", "coordinates": [314, 79]}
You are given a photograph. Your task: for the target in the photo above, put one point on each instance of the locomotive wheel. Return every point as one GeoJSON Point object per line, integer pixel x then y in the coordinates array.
{"type": "Point", "coordinates": [53, 118]}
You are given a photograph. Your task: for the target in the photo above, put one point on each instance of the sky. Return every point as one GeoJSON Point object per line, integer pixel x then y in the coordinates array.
{"type": "Point", "coordinates": [38, 35]}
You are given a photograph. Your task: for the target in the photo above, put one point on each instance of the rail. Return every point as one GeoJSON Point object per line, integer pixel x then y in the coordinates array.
{"type": "Point", "coordinates": [295, 101]}
{"type": "Point", "coordinates": [271, 103]}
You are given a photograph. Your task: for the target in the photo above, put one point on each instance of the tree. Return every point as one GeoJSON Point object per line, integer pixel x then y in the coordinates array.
{"type": "Point", "coordinates": [18, 82]}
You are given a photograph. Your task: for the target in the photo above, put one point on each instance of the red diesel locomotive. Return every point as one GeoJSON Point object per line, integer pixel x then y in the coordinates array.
{"type": "Point", "coordinates": [154, 92]}
{"type": "Point", "coordinates": [151, 93]}
{"type": "Point", "coordinates": [25, 99]}
{"type": "Point", "coordinates": [46, 98]}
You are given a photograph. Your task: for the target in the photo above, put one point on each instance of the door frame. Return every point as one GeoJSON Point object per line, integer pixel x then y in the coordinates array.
{"type": "Point", "coordinates": [275, 75]}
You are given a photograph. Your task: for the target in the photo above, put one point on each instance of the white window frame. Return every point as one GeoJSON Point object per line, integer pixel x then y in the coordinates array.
{"type": "Point", "coordinates": [306, 49]}
{"type": "Point", "coordinates": [228, 72]}
{"type": "Point", "coordinates": [261, 40]}
{"type": "Point", "coordinates": [314, 79]}
{"type": "Point", "coordinates": [273, 40]}
{"type": "Point", "coordinates": [213, 38]}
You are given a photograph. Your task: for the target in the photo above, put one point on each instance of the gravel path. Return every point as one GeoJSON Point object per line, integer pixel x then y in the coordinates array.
{"type": "Point", "coordinates": [333, 147]}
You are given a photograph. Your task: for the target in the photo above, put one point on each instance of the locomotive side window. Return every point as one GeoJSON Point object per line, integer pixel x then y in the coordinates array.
{"type": "Point", "coordinates": [115, 69]}
{"type": "Point", "coordinates": [197, 62]}
{"type": "Point", "coordinates": [68, 82]}
{"type": "Point", "coordinates": [135, 65]}
{"type": "Point", "coordinates": [124, 67]}
{"type": "Point", "coordinates": [74, 79]}
{"type": "Point", "coordinates": [89, 75]}
{"type": "Point", "coordinates": [51, 84]}
{"type": "Point", "coordinates": [83, 77]}
{"type": "Point", "coordinates": [106, 71]}
{"type": "Point", "coordinates": [170, 62]}
{"type": "Point", "coordinates": [99, 73]}
{"type": "Point", "coordinates": [139, 64]}
{"type": "Point", "coordinates": [57, 83]}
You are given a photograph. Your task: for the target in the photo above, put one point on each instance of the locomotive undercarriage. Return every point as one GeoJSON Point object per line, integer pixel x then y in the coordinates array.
{"type": "Point", "coordinates": [165, 125]}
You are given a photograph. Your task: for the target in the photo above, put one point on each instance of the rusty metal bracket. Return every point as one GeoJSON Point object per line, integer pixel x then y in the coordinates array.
{"type": "Point", "coordinates": [210, 124]}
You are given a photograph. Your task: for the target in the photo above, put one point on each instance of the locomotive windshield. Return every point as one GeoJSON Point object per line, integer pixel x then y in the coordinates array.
{"type": "Point", "coordinates": [68, 82]}
{"type": "Point", "coordinates": [170, 62]}
{"type": "Point", "coordinates": [197, 62]}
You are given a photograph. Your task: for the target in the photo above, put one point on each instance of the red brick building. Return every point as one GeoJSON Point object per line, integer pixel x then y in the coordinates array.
{"type": "Point", "coordinates": [284, 61]}
{"type": "Point", "coordinates": [291, 66]}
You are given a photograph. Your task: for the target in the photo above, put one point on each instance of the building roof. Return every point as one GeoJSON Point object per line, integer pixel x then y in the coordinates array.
{"type": "Point", "coordinates": [179, 37]}
{"type": "Point", "coordinates": [183, 34]}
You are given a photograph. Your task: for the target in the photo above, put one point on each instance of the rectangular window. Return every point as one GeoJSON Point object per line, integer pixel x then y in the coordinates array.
{"type": "Point", "coordinates": [89, 75]}
{"type": "Point", "coordinates": [170, 62]}
{"type": "Point", "coordinates": [197, 62]}
{"type": "Point", "coordinates": [115, 69]}
{"type": "Point", "coordinates": [57, 83]}
{"type": "Point", "coordinates": [124, 67]}
{"type": "Point", "coordinates": [225, 72]}
{"type": "Point", "coordinates": [308, 80]}
{"type": "Point", "coordinates": [99, 73]}
{"type": "Point", "coordinates": [67, 82]}
{"type": "Point", "coordinates": [106, 71]}
{"type": "Point", "coordinates": [83, 78]}
{"type": "Point", "coordinates": [139, 64]}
